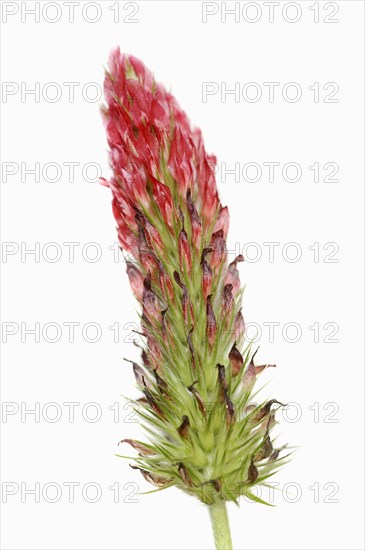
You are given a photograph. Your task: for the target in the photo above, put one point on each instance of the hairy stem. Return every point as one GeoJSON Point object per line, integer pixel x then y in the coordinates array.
{"type": "Point", "coordinates": [220, 525]}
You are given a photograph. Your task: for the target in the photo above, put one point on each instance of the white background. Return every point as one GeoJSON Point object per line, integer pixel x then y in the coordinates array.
{"type": "Point", "coordinates": [183, 52]}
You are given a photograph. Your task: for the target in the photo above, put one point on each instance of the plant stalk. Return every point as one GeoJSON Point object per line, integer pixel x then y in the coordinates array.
{"type": "Point", "coordinates": [220, 525]}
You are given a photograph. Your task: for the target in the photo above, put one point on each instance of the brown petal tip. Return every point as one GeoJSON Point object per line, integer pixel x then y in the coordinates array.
{"type": "Point", "coordinates": [183, 429]}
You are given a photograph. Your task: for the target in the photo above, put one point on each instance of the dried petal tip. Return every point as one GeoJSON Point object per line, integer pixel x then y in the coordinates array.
{"type": "Point", "coordinates": [185, 301]}
{"type": "Point", "coordinates": [222, 382]}
{"type": "Point", "coordinates": [211, 326]}
{"type": "Point", "coordinates": [219, 249]}
{"type": "Point", "coordinates": [239, 326]}
{"type": "Point", "coordinates": [161, 384]}
{"type": "Point", "coordinates": [207, 273]}
{"type": "Point", "coordinates": [265, 409]}
{"type": "Point", "coordinates": [236, 360]}
{"type": "Point", "coordinates": [142, 449]}
{"type": "Point", "coordinates": [184, 474]}
{"type": "Point", "coordinates": [275, 454]}
{"type": "Point", "coordinates": [196, 224]}
{"type": "Point", "coordinates": [191, 349]}
{"type": "Point", "coordinates": [152, 403]}
{"type": "Point", "coordinates": [216, 484]}
{"type": "Point", "coordinates": [156, 480]}
{"type": "Point", "coordinates": [151, 305]}
{"type": "Point", "coordinates": [135, 280]}
{"type": "Point", "coordinates": [230, 412]}
{"type": "Point", "coordinates": [252, 473]}
{"type": "Point", "coordinates": [198, 397]}
{"type": "Point", "coordinates": [253, 371]}
{"type": "Point", "coordinates": [228, 301]}
{"type": "Point", "coordinates": [265, 450]}
{"type": "Point", "coordinates": [184, 252]}
{"type": "Point", "coordinates": [183, 429]}
{"type": "Point", "coordinates": [233, 275]}
{"type": "Point", "coordinates": [139, 374]}
{"type": "Point", "coordinates": [222, 223]}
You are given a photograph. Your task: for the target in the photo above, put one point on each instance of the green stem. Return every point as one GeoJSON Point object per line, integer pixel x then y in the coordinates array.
{"type": "Point", "coordinates": [220, 525]}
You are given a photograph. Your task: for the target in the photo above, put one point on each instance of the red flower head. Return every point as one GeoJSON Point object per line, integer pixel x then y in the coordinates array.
{"type": "Point", "coordinates": [172, 225]}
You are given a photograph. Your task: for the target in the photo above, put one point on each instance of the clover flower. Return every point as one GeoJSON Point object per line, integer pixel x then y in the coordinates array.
{"type": "Point", "coordinates": [196, 375]}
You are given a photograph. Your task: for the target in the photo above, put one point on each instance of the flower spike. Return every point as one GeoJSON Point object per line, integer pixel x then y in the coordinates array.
{"type": "Point", "coordinates": [197, 376]}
